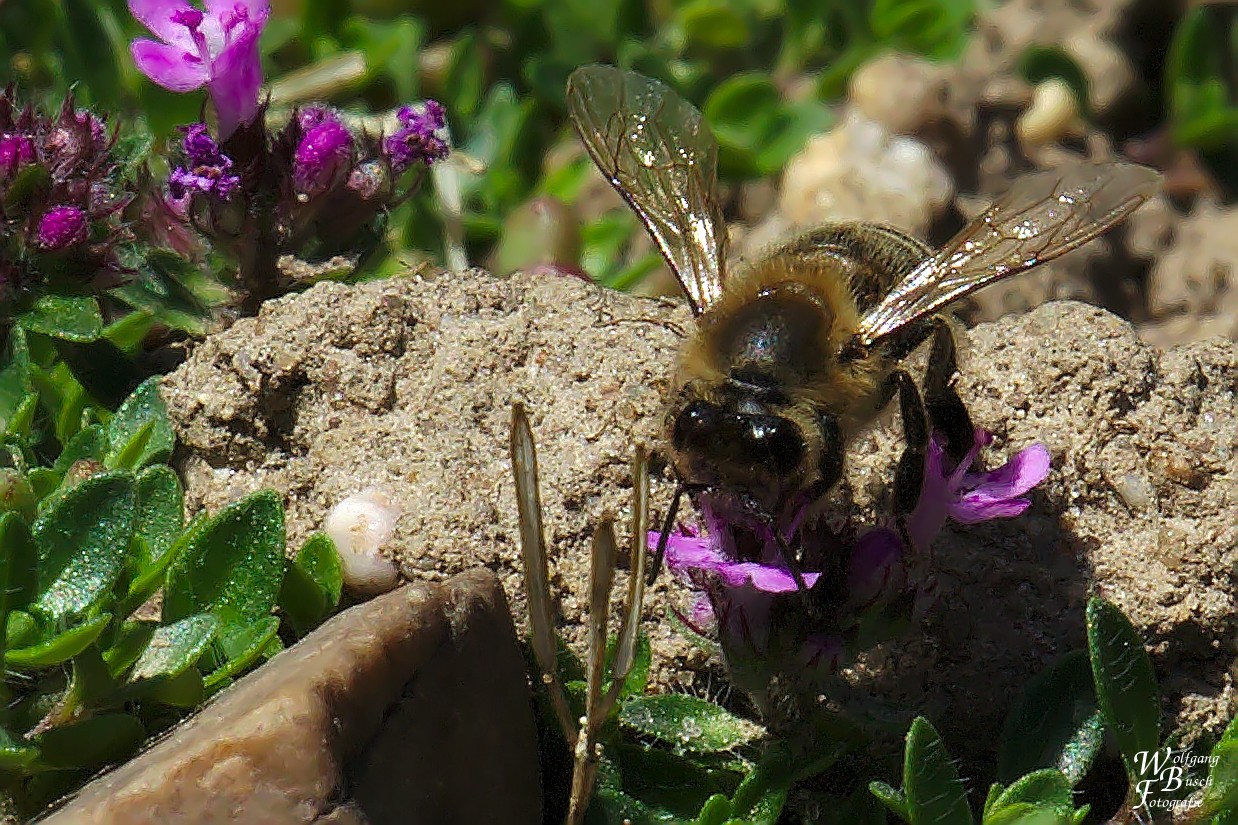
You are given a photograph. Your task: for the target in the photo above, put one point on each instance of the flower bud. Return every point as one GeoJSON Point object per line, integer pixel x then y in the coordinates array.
{"type": "Point", "coordinates": [15, 152]}
{"type": "Point", "coordinates": [61, 227]}
{"type": "Point", "coordinates": [322, 156]}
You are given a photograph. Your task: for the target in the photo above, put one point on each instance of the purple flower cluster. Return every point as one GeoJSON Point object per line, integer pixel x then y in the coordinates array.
{"type": "Point", "coordinates": [207, 169]}
{"type": "Point", "coordinates": [61, 197]}
{"type": "Point", "coordinates": [741, 594]}
{"type": "Point", "coordinates": [421, 138]}
{"type": "Point", "coordinates": [314, 188]}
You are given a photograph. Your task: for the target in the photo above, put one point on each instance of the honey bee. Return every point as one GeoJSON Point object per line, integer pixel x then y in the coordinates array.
{"type": "Point", "coordinates": [799, 349]}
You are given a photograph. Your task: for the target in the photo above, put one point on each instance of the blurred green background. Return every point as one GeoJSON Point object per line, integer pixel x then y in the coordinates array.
{"type": "Point", "coordinates": [767, 74]}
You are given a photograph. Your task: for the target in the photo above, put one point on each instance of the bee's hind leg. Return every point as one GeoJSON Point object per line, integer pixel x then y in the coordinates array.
{"type": "Point", "coordinates": [909, 475]}
{"type": "Point", "coordinates": [945, 409]}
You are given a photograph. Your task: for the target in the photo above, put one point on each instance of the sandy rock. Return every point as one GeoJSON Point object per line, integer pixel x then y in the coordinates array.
{"type": "Point", "coordinates": [412, 707]}
{"type": "Point", "coordinates": [1139, 505]}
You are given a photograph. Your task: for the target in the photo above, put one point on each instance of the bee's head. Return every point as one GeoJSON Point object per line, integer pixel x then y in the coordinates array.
{"type": "Point", "coordinates": [737, 436]}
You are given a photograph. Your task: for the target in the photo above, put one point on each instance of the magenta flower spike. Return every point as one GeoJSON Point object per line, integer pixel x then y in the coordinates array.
{"type": "Point", "coordinates": [61, 227]}
{"type": "Point", "coordinates": [216, 48]}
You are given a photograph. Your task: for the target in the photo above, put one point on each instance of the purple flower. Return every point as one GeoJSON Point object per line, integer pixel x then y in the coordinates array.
{"type": "Point", "coordinates": [421, 138]}
{"type": "Point", "coordinates": [217, 48]}
{"type": "Point", "coordinates": [207, 169]}
{"type": "Point", "coordinates": [756, 612]}
{"type": "Point", "coordinates": [970, 497]}
{"type": "Point", "coordinates": [323, 154]}
{"type": "Point", "coordinates": [61, 227]}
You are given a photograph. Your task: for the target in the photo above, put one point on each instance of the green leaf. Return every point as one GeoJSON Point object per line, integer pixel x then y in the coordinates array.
{"type": "Point", "coordinates": [1054, 724]}
{"type": "Point", "coordinates": [129, 332]}
{"type": "Point", "coordinates": [160, 513]}
{"type": "Point", "coordinates": [668, 783]}
{"type": "Point", "coordinates": [102, 368]}
{"type": "Point", "coordinates": [151, 577]}
{"type": "Point", "coordinates": [19, 423]}
{"type": "Point", "coordinates": [132, 149]}
{"type": "Point", "coordinates": [16, 494]}
{"type": "Point", "coordinates": [89, 443]}
{"type": "Point", "coordinates": [1028, 813]}
{"type": "Point", "coordinates": [143, 409]}
{"type": "Point", "coordinates": [321, 561]}
{"type": "Point", "coordinates": [184, 691]}
{"type": "Point", "coordinates": [242, 646]}
{"type": "Point", "coordinates": [1124, 681]}
{"type": "Point", "coordinates": [60, 316]}
{"type": "Point", "coordinates": [712, 24]}
{"type": "Point", "coordinates": [15, 380]}
{"type": "Point", "coordinates": [894, 799]}
{"type": "Point", "coordinates": [687, 722]}
{"type": "Point", "coordinates": [92, 742]}
{"type": "Point", "coordinates": [130, 642]}
{"type": "Point", "coordinates": [175, 648]}
{"type": "Point", "coordinates": [15, 755]}
{"type": "Point", "coordinates": [82, 542]}
{"type": "Point", "coordinates": [232, 566]}
{"type": "Point", "coordinates": [19, 567]}
{"type": "Point", "coordinates": [638, 676]}
{"type": "Point", "coordinates": [312, 584]}
{"type": "Point", "coordinates": [1221, 795]}
{"type": "Point", "coordinates": [59, 648]}
{"type": "Point", "coordinates": [20, 629]}
{"type": "Point", "coordinates": [715, 811]}
{"type": "Point", "coordinates": [1048, 787]}
{"type": "Point", "coordinates": [301, 600]}
{"type": "Point", "coordinates": [935, 793]}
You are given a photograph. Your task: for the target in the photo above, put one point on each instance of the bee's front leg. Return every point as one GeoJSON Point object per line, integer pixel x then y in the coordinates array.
{"type": "Point", "coordinates": [945, 409]}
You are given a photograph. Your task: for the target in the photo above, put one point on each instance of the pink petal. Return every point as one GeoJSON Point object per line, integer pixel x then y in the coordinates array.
{"type": "Point", "coordinates": [1014, 478]}
{"type": "Point", "coordinates": [156, 15]}
{"type": "Point", "coordinates": [973, 511]}
{"type": "Point", "coordinates": [764, 577]}
{"type": "Point", "coordinates": [236, 76]}
{"type": "Point", "coordinates": [169, 66]}
{"type": "Point", "coordinates": [996, 494]}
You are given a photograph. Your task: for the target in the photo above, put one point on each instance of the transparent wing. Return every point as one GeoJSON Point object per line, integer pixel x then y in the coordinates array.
{"type": "Point", "coordinates": [657, 151]}
{"type": "Point", "coordinates": [1044, 215]}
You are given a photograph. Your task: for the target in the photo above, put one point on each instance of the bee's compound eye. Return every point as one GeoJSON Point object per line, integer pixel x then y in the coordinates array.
{"type": "Point", "coordinates": [698, 421]}
{"type": "Point", "coordinates": [777, 441]}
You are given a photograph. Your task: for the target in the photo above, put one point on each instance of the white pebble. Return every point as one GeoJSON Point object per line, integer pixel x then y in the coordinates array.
{"type": "Point", "coordinates": [360, 525]}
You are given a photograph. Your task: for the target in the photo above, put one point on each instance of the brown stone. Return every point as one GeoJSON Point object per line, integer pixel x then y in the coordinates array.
{"type": "Point", "coordinates": [410, 708]}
